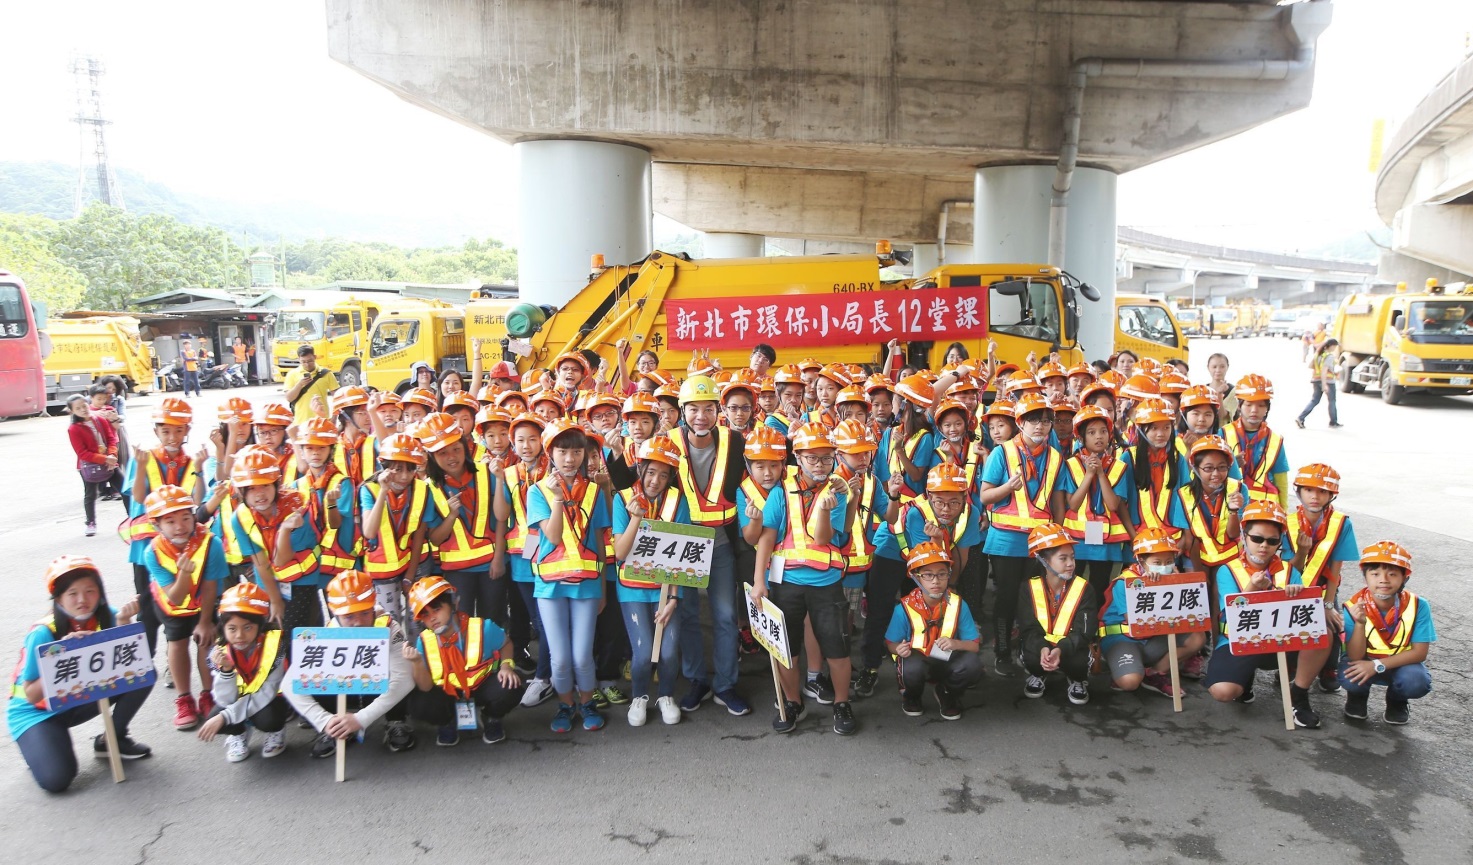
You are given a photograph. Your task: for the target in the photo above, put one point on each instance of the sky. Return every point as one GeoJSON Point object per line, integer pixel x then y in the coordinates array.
{"type": "Point", "coordinates": [240, 101]}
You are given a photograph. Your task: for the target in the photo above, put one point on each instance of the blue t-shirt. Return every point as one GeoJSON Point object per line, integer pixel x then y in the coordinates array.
{"type": "Point", "coordinates": [1112, 552]}
{"type": "Point", "coordinates": [1178, 517]}
{"type": "Point", "coordinates": [899, 630]}
{"type": "Point", "coordinates": [924, 459]}
{"type": "Point", "coordinates": [775, 516]}
{"type": "Point", "coordinates": [518, 565]}
{"type": "Point", "coordinates": [136, 549]}
{"type": "Point", "coordinates": [1346, 548]}
{"type": "Point", "coordinates": [1422, 629]}
{"type": "Point", "coordinates": [1226, 585]}
{"type": "Point", "coordinates": [621, 524]}
{"type": "Point", "coordinates": [345, 494]}
{"type": "Point", "coordinates": [303, 538]}
{"type": "Point", "coordinates": [216, 569]}
{"type": "Point", "coordinates": [538, 510]}
{"type": "Point", "coordinates": [1001, 541]}
{"type": "Point", "coordinates": [741, 505]}
{"type": "Point", "coordinates": [20, 714]}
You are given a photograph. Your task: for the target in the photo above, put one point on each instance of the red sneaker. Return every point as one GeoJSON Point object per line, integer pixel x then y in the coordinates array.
{"type": "Point", "coordinates": [1191, 668]}
{"type": "Point", "coordinates": [1158, 682]}
{"type": "Point", "coordinates": [206, 705]}
{"type": "Point", "coordinates": [186, 716]}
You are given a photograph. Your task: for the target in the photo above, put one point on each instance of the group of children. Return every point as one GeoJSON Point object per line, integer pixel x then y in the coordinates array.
{"type": "Point", "coordinates": [471, 524]}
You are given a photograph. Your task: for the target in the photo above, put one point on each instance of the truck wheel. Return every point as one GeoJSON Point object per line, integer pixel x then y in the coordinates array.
{"type": "Point", "coordinates": [1391, 392]}
{"type": "Point", "coordinates": [350, 376]}
{"type": "Point", "coordinates": [1347, 385]}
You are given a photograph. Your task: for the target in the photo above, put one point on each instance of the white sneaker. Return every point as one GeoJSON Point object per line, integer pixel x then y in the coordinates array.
{"type": "Point", "coordinates": [638, 708]}
{"type": "Point", "coordinates": [237, 748]}
{"type": "Point", "coordinates": [669, 712]}
{"type": "Point", "coordinates": [275, 744]}
{"type": "Point", "coordinates": [538, 691]}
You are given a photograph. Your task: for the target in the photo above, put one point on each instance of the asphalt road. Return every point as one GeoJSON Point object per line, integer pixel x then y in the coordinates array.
{"type": "Point", "coordinates": [1120, 780]}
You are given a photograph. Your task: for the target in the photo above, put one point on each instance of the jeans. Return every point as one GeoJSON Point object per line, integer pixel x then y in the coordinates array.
{"type": "Point", "coordinates": [1410, 682]}
{"type": "Point", "coordinates": [191, 380]}
{"type": "Point", "coordinates": [721, 595]}
{"type": "Point", "coordinates": [544, 662]}
{"type": "Point", "coordinates": [47, 746]}
{"type": "Point", "coordinates": [567, 624]}
{"type": "Point", "coordinates": [1321, 390]}
{"type": "Point", "coordinates": [639, 621]}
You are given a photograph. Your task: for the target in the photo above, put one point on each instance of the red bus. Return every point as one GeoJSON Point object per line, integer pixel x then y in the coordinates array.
{"type": "Point", "coordinates": [22, 381]}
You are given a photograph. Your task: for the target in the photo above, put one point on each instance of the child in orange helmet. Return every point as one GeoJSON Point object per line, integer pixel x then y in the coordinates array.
{"type": "Point", "coordinates": [271, 531]}
{"type": "Point", "coordinates": [1096, 486]}
{"type": "Point", "coordinates": [514, 552]}
{"type": "Point", "coordinates": [399, 511]}
{"type": "Point", "coordinates": [148, 470]}
{"type": "Point", "coordinates": [1142, 663]}
{"type": "Point", "coordinates": [249, 665]}
{"type": "Point", "coordinates": [78, 606]}
{"type": "Point", "coordinates": [329, 495]}
{"type": "Point", "coordinates": [1258, 449]}
{"type": "Point", "coordinates": [933, 636]}
{"type": "Point", "coordinates": [1056, 616]}
{"type": "Point", "coordinates": [1388, 633]}
{"type": "Point", "coordinates": [1321, 540]}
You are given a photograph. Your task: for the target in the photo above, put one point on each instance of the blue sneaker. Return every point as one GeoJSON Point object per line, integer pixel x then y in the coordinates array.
{"type": "Point", "coordinates": [733, 702]}
{"type": "Point", "coordinates": [562, 722]}
{"type": "Point", "coordinates": [592, 719]}
{"type": "Point", "coordinates": [447, 736]}
{"type": "Point", "coordinates": [699, 692]}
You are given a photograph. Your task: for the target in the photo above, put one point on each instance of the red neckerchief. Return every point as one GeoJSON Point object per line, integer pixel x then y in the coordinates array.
{"type": "Point", "coordinates": [452, 657]}
{"type": "Point", "coordinates": [916, 600]}
{"type": "Point", "coordinates": [245, 665]}
{"type": "Point", "coordinates": [398, 508]}
{"type": "Point", "coordinates": [1031, 456]}
{"type": "Point", "coordinates": [465, 483]}
{"type": "Point", "coordinates": [1383, 625]}
{"type": "Point", "coordinates": [1247, 444]}
{"type": "Point", "coordinates": [573, 504]}
{"type": "Point", "coordinates": [1275, 566]}
{"type": "Point", "coordinates": [319, 484]}
{"type": "Point", "coordinates": [1316, 532]}
{"type": "Point", "coordinates": [352, 454]}
{"type": "Point", "coordinates": [197, 537]}
{"type": "Point", "coordinates": [286, 502]}
{"type": "Point", "coordinates": [1157, 458]}
{"type": "Point", "coordinates": [172, 468]}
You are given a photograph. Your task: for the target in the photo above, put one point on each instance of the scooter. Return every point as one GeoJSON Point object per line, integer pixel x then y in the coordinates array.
{"type": "Point", "coordinates": [215, 377]}
{"type": "Point", "coordinates": [236, 374]}
{"type": "Point", "coordinates": [169, 376]}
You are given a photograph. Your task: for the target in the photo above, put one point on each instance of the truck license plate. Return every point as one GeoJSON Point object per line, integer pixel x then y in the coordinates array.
{"type": "Point", "coordinates": [1462, 381]}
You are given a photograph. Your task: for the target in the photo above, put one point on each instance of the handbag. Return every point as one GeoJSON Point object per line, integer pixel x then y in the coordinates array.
{"type": "Point", "coordinates": [96, 473]}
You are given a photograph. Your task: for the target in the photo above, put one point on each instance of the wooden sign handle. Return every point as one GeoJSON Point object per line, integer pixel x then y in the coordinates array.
{"type": "Point", "coordinates": [1175, 673]}
{"type": "Point", "coordinates": [665, 589]}
{"type": "Point", "coordinates": [777, 685]}
{"type": "Point", "coordinates": [1284, 690]}
{"type": "Point", "coordinates": [110, 733]}
{"type": "Point", "coordinates": [342, 749]}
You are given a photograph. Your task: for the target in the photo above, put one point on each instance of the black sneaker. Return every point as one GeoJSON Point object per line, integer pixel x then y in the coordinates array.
{"type": "Point", "coordinates": [1355, 706]}
{"type": "Point", "coordinates": [1006, 663]}
{"type": "Point", "coordinates": [492, 732]}
{"type": "Point", "coordinates": [1247, 696]}
{"type": "Point", "coordinates": [1337, 425]}
{"type": "Point", "coordinates": [1398, 712]}
{"type": "Point", "coordinates": [910, 704]}
{"type": "Point", "coordinates": [951, 704]}
{"type": "Point", "coordinates": [524, 663]}
{"type": "Point", "coordinates": [1304, 714]}
{"type": "Point", "coordinates": [1078, 692]}
{"type": "Point", "coordinates": [323, 746]}
{"type": "Point", "coordinates": [1329, 681]}
{"type": "Point", "coordinates": [844, 719]}
{"type": "Point", "coordinates": [399, 737]}
{"type": "Point", "coordinates": [820, 689]}
{"type": "Point", "coordinates": [1299, 422]}
{"type": "Point", "coordinates": [863, 683]}
{"type": "Point", "coordinates": [131, 750]}
{"type": "Point", "coordinates": [1033, 688]}
{"type": "Point", "coordinates": [795, 711]}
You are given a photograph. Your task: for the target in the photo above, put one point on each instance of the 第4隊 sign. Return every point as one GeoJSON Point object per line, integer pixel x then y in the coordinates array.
{"type": "Point", "coordinates": [672, 553]}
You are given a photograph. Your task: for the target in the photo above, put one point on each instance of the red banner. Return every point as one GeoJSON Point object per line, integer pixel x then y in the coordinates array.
{"type": "Point", "coordinates": [788, 320]}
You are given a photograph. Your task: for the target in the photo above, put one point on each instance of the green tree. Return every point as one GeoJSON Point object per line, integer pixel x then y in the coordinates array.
{"type": "Point", "coordinates": [25, 250]}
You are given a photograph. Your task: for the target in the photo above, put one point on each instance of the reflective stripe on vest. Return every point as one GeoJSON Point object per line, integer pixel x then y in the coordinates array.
{"type": "Point", "coordinates": [1278, 578]}
{"type": "Point", "coordinates": [1018, 513]}
{"type": "Point", "coordinates": [859, 552]}
{"type": "Point", "coordinates": [920, 630]}
{"type": "Point", "coordinates": [924, 505]}
{"type": "Point", "coordinates": [896, 468]}
{"type": "Point", "coordinates": [574, 559]}
{"type": "Point", "coordinates": [390, 555]}
{"type": "Point", "coordinates": [1216, 548]}
{"type": "Point", "coordinates": [666, 510]}
{"type": "Point", "coordinates": [708, 507]}
{"type": "Point", "coordinates": [1056, 628]}
{"type": "Point", "coordinates": [466, 549]}
{"type": "Point", "coordinates": [361, 464]}
{"type": "Point", "coordinates": [141, 528]}
{"type": "Point", "coordinates": [518, 482]}
{"type": "Point", "coordinates": [475, 672]}
{"type": "Point", "coordinates": [264, 537]}
{"type": "Point", "coordinates": [755, 494]}
{"type": "Point", "coordinates": [1075, 520]}
{"type": "Point", "coordinates": [1401, 638]}
{"type": "Point", "coordinates": [1104, 630]}
{"type": "Point", "coordinates": [1319, 557]}
{"type": "Point", "coordinates": [797, 548]}
{"type": "Point", "coordinates": [332, 556]}
{"type": "Point", "coordinates": [1259, 482]}
{"type": "Point", "coordinates": [170, 562]}
{"type": "Point", "coordinates": [269, 647]}
{"type": "Point", "coordinates": [17, 687]}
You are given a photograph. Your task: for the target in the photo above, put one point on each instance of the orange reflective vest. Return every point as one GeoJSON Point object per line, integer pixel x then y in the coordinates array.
{"type": "Point", "coordinates": [708, 507]}
{"type": "Point", "coordinates": [269, 646]}
{"type": "Point", "coordinates": [925, 630]}
{"type": "Point", "coordinates": [1377, 645]}
{"type": "Point", "coordinates": [1319, 557]}
{"type": "Point", "coordinates": [333, 557]}
{"type": "Point", "coordinates": [1056, 627]}
{"type": "Point", "coordinates": [859, 550]}
{"type": "Point", "coordinates": [352, 460]}
{"type": "Point", "coordinates": [1019, 513]}
{"type": "Point", "coordinates": [1075, 520]}
{"type": "Point", "coordinates": [518, 481]}
{"type": "Point", "coordinates": [1278, 574]}
{"type": "Point", "coordinates": [263, 534]}
{"type": "Point", "coordinates": [197, 550]}
{"type": "Point", "coordinates": [17, 687]}
{"type": "Point", "coordinates": [823, 416]}
{"type": "Point", "coordinates": [575, 558]}
{"type": "Point", "coordinates": [1258, 478]}
{"type": "Point", "coordinates": [1214, 545]}
{"type": "Point", "coordinates": [896, 467]}
{"type": "Point", "coordinates": [460, 683]}
{"type": "Point", "coordinates": [141, 528]}
{"type": "Point", "coordinates": [472, 540]}
{"type": "Point", "coordinates": [797, 548]}
{"type": "Point", "coordinates": [924, 505]}
{"type": "Point", "coordinates": [389, 556]}
{"type": "Point", "coordinates": [665, 510]}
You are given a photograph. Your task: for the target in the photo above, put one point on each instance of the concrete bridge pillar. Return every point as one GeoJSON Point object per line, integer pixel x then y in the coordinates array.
{"type": "Point", "coordinates": [730, 244]}
{"type": "Point", "coordinates": [1010, 226]}
{"type": "Point", "coordinates": [579, 198]}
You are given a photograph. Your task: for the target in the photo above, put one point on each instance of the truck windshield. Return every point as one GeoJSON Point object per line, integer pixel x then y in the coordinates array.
{"type": "Point", "coordinates": [1441, 321]}
{"type": "Point", "coordinates": [292, 326]}
{"type": "Point", "coordinates": [1186, 315]}
{"type": "Point", "coordinates": [1033, 315]}
{"type": "Point", "coordinates": [392, 335]}
{"type": "Point", "coordinates": [13, 322]}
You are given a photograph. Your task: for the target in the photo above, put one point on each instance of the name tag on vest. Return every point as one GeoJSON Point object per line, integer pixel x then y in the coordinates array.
{"type": "Point", "coordinates": [939, 653]}
{"type": "Point", "coordinates": [465, 715]}
{"type": "Point", "coordinates": [530, 543]}
{"type": "Point", "coordinates": [1094, 532]}
{"type": "Point", "coordinates": [775, 569]}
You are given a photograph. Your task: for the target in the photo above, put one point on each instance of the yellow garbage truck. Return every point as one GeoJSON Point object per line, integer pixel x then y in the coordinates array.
{"type": "Point", "coordinates": [86, 346]}
{"type": "Point", "coordinates": [1407, 342]}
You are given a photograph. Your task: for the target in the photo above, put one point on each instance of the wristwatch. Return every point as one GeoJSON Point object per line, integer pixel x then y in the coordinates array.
{"type": "Point", "coordinates": [1380, 667]}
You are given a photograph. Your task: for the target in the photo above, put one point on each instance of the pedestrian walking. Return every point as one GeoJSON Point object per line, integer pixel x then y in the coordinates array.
{"type": "Point", "coordinates": [96, 447]}
{"type": "Point", "coordinates": [1322, 379]}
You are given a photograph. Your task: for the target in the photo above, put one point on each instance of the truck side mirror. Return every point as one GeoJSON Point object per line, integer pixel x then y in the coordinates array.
{"type": "Point", "coordinates": [1090, 292]}
{"type": "Point", "coordinates": [1010, 288]}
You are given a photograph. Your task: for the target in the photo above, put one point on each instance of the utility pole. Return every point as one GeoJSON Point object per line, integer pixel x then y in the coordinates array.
{"type": "Point", "coordinates": [91, 124]}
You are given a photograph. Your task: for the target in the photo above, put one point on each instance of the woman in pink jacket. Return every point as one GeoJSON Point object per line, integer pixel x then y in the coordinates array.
{"type": "Point", "coordinates": [96, 444]}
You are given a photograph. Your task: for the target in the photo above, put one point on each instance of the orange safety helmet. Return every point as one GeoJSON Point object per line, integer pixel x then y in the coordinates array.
{"type": "Point", "coordinates": [421, 396]}
{"type": "Point", "coordinates": [247, 599]}
{"type": "Point", "coordinates": [437, 431]}
{"type": "Point", "coordinates": [403, 448]}
{"type": "Point", "coordinates": [1173, 382]}
{"type": "Point", "coordinates": [63, 565]}
{"type": "Point", "coordinates": [350, 592]}
{"type": "Point", "coordinates": [166, 500]}
{"type": "Point", "coordinates": [1254, 388]}
{"type": "Point", "coordinates": [235, 410]}
{"type": "Point", "coordinates": [1381, 553]}
{"type": "Point", "coordinates": [738, 384]}
{"type": "Point", "coordinates": [557, 428]}
{"type": "Point", "coordinates": [837, 373]}
{"type": "Point", "coordinates": [575, 356]}
{"type": "Point", "coordinates": [463, 400]}
{"type": "Point", "coordinates": [946, 478]}
{"type": "Point", "coordinates": [949, 404]}
{"type": "Point", "coordinates": [1005, 371]}
{"type": "Point", "coordinates": [1150, 366]}
{"type": "Point", "coordinates": [277, 414]}
{"type": "Point", "coordinates": [548, 396]}
{"type": "Point", "coordinates": [812, 436]}
{"type": "Point", "coordinates": [660, 449]}
{"type": "Point", "coordinates": [1113, 378]}
{"type": "Point", "coordinates": [173, 411]}
{"type": "Point", "coordinates": [659, 377]}
{"type": "Point", "coordinates": [856, 372]}
{"type": "Point", "coordinates": [852, 436]}
{"type": "Point", "coordinates": [427, 589]}
{"type": "Point", "coordinates": [927, 553]}
{"type": "Point", "coordinates": [878, 381]}
{"type": "Point", "coordinates": [917, 389]}
{"type": "Point", "coordinates": [766, 385]}
{"type": "Point", "coordinates": [1264, 511]}
{"type": "Point", "coordinates": [255, 466]}
{"type": "Point", "coordinates": [852, 393]}
{"type": "Point", "coordinates": [1089, 413]}
{"type": "Point", "coordinates": [964, 384]}
{"type": "Point", "coordinates": [526, 418]}
{"type": "Point", "coordinates": [487, 393]}
{"type": "Point", "coordinates": [505, 398]}
{"type": "Point", "coordinates": [1001, 408]}
{"type": "Point", "coordinates": [318, 431]}
{"type": "Point", "coordinates": [766, 443]}
{"type": "Point", "coordinates": [641, 403]}
{"type": "Point", "coordinates": [1022, 382]}
{"type": "Point", "coordinates": [490, 414]}
{"type": "Point", "coordinates": [602, 399]}
{"type": "Point", "coordinates": [1200, 395]}
{"type": "Point", "coordinates": [1091, 391]}
{"type": "Point", "coordinates": [1052, 369]}
{"type": "Point", "coordinates": [1064, 404]}
{"type": "Point", "coordinates": [808, 363]}
{"type": "Point", "coordinates": [1029, 403]}
{"type": "Point", "coordinates": [1319, 476]}
{"type": "Point", "coordinates": [1210, 443]}
{"type": "Point", "coordinates": [1153, 539]}
{"type": "Point", "coordinates": [347, 397]}
{"type": "Point", "coordinates": [788, 373]}
{"type": "Point", "coordinates": [1081, 368]}
{"type": "Point", "coordinates": [1153, 410]}
{"type": "Point", "coordinates": [388, 399]}
{"type": "Point", "coordinates": [668, 391]}
{"type": "Point", "coordinates": [1047, 537]}
{"type": "Point", "coordinates": [1140, 386]}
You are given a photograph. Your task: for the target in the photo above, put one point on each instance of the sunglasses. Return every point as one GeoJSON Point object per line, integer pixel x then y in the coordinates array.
{"type": "Point", "coordinates": [1260, 539]}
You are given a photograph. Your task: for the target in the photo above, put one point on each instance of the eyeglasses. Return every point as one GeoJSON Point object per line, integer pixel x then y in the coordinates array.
{"type": "Point", "coordinates": [939, 575]}
{"type": "Point", "coordinates": [1260, 539]}
{"type": "Point", "coordinates": [816, 460]}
